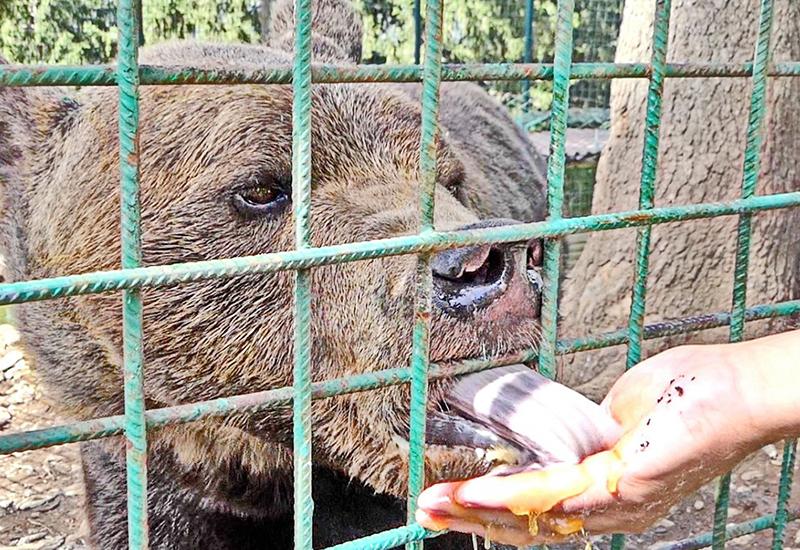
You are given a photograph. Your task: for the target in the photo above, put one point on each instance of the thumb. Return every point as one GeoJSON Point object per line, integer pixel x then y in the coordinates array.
{"type": "Point", "coordinates": [637, 391]}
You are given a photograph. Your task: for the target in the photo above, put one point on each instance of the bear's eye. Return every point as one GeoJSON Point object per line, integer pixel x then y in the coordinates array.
{"type": "Point", "coordinates": [260, 200]}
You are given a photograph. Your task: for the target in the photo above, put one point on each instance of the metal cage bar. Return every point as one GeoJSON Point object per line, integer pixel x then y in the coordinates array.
{"type": "Point", "coordinates": [279, 397]}
{"type": "Point", "coordinates": [165, 275]}
{"type": "Point", "coordinates": [301, 198]}
{"type": "Point", "coordinates": [752, 164]}
{"type": "Point", "coordinates": [131, 243]}
{"type": "Point", "coordinates": [424, 279]}
{"type": "Point", "coordinates": [528, 53]}
{"type": "Point", "coordinates": [782, 514]}
{"type": "Point", "coordinates": [128, 76]}
{"type": "Point", "coordinates": [555, 184]}
{"type": "Point", "coordinates": [647, 192]}
{"type": "Point", "coordinates": [105, 75]}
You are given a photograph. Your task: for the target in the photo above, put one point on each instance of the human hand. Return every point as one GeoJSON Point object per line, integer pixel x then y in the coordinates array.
{"type": "Point", "coordinates": [688, 415]}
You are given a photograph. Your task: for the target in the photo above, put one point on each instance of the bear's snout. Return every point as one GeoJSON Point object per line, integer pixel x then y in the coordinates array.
{"type": "Point", "coordinates": [504, 276]}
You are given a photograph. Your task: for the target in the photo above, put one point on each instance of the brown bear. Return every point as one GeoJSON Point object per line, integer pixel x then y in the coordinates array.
{"type": "Point", "coordinates": [216, 183]}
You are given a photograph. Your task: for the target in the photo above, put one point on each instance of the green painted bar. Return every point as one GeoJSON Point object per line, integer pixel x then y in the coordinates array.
{"type": "Point", "coordinates": [166, 275]}
{"type": "Point", "coordinates": [676, 326]}
{"type": "Point", "coordinates": [752, 165]}
{"type": "Point", "coordinates": [388, 539]}
{"type": "Point", "coordinates": [555, 184]}
{"type": "Point", "coordinates": [424, 278]}
{"type": "Point", "coordinates": [133, 356]}
{"type": "Point", "coordinates": [128, 75]}
{"type": "Point", "coordinates": [301, 198]}
{"type": "Point", "coordinates": [731, 532]}
{"type": "Point", "coordinates": [784, 493]}
{"type": "Point", "coordinates": [105, 75]}
{"type": "Point", "coordinates": [648, 179]}
{"type": "Point", "coordinates": [254, 402]}
{"type": "Point", "coordinates": [646, 193]}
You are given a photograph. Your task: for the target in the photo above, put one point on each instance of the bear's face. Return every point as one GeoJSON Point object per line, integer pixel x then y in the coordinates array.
{"type": "Point", "coordinates": [216, 179]}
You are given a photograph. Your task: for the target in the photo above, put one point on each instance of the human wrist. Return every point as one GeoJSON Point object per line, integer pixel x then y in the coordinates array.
{"type": "Point", "coordinates": [768, 376]}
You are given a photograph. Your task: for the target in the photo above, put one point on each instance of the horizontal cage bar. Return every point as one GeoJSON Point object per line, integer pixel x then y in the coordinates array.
{"type": "Point", "coordinates": [105, 75]}
{"type": "Point", "coordinates": [396, 537]}
{"type": "Point", "coordinates": [165, 275]}
{"type": "Point", "coordinates": [254, 402]}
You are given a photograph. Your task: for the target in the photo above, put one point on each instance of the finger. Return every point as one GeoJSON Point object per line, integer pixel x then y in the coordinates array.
{"type": "Point", "coordinates": [536, 491]}
{"type": "Point", "coordinates": [493, 533]}
{"type": "Point", "coordinates": [439, 504]}
{"type": "Point", "coordinates": [597, 497]}
{"type": "Point", "coordinates": [439, 498]}
{"type": "Point", "coordinates": [519, 535]}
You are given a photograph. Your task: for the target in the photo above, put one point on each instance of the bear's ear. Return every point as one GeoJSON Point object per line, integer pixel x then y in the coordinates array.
{"type": "Point", "coordinates": [28, 118]}
{"type": "Point", "coordinates": [15, 125]}
{"type": "Point", "coordinates": [337, 31]}
{"type": "Point", "coordinates": [32, 121]}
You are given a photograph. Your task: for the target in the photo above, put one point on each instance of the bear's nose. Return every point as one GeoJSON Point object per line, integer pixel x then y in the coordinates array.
{"type": "Point", "coordinates": [468, 279]}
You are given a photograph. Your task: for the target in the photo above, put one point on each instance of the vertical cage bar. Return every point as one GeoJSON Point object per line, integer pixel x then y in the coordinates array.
{"type": "Point", "coordinates": [417, 31]}
{"type": "Point", "coordinates": [647, 192]}
{"type": "Point", "coordinates": [301, 197]}
{"type": "Point", "coordinates": [647, 186]}
{"type": "Point", "coordinates": [752, 165]}
{"type": "Point", "coordinates": [555, 183]}
{"type": "Point", "coordinates": [784, 492]}
{"type": "Point", "coordinates": [432, 74]}
{"type": "Point", "coordinates": [528, 54]}
{"type": "Point", "coordinates": [131, 243]}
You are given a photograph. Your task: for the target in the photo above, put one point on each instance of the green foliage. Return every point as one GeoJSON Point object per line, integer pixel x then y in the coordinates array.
{"type": "Point", "coordinates": [83, 31]}
{"type": "Point", "coordinates": [475, 30]}
{"type": "Point", "coordinates": [58, 31]}
{"type": "Point", "coordinates": [219, 20]}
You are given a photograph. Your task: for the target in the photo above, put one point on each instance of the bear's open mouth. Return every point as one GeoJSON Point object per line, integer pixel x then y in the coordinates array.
{"type": "Point", "coordinates": [517, 417]}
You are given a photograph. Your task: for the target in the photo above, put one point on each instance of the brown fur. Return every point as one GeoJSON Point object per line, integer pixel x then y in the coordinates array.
{"type": "Point", "coordinates": [199, 145]}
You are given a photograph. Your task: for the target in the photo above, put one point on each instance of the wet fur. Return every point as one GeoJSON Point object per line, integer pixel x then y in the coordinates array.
{"type": "Point", "coordinates": [229, 481]}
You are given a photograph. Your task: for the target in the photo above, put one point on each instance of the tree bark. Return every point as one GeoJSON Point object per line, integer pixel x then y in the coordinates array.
{"type": "Point", "coordinates": [265, 19]}
{"type": "Point", "coordinates": [700, 160]}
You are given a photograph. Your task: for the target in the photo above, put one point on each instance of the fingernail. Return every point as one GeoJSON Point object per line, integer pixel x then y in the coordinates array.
{"type": "Point", "coordinates": [437, 498]}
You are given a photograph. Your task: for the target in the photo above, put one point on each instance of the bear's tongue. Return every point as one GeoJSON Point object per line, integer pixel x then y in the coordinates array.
{"type": "Point", "coordinates": [517, 409]}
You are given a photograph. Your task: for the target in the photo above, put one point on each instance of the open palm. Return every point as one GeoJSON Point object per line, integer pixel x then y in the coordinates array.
{"type": "Point", "coordinates": [685, 420]}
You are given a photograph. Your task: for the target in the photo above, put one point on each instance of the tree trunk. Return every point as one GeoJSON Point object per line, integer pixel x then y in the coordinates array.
{"type": "Point", "coordinates": [265, 19]}
{"type": "Point", "coordinates": [700, 160]}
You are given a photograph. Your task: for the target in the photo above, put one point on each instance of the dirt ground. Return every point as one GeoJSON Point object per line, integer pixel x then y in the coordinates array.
{"type": "Point", "coordinates": [41, 493]}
